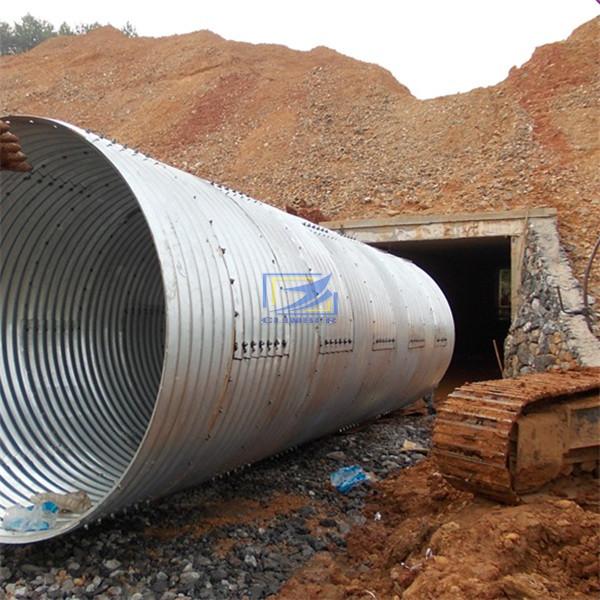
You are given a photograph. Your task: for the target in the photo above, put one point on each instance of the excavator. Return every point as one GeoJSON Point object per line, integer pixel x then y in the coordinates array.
{"type": "Point", "coordinates": [506, 438]}
{"type": "Point", "coordinates": [509, 437]}
{"type": "Point", "coordinates": [500, 438]}
{"type": "Point", "coordinates": [12, 157]}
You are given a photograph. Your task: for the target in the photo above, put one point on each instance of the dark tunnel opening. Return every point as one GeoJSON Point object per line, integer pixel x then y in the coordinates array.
{"type": "Point", "coordinates": [475, 276]}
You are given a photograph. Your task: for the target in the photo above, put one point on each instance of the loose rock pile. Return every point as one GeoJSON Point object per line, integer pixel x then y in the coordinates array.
{"type": "Point", "coordinates": [434, 542]}
{"type": "Point", "coordinates": [238, 537]}
{"type": "Point", "coordinates": [331, 137]}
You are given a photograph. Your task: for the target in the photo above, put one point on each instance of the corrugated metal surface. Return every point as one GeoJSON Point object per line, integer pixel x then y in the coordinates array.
{"type": "Point", "coordinates": [138, 355]}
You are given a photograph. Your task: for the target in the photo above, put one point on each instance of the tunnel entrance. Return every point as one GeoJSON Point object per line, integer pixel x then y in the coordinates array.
{"type": "Point", "coordinates": [475, 276]}
{"type": "Point", "coordinates": [477, 260]}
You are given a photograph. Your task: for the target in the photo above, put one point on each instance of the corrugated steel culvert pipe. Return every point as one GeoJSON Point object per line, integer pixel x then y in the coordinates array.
{"type": "Point", "coordinates": [157, 330]}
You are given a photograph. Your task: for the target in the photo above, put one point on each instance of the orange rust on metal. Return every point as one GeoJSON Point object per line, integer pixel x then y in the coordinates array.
{"type": "Point", "coordinates": [504, 437]}
{"type": "Point", "coordinates": [11, 156]}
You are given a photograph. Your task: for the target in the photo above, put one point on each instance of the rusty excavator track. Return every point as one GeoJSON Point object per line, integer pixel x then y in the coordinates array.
{"type": "Point", "coordinates": [12, 157]}
{"type": "Point", "coordinates": [508, 437]}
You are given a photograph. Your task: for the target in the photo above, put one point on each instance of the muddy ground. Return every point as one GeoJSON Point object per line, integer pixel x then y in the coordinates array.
{"type": "Point", "coordinates": [279, 530]}
{"type": "Point", "coordinates": [425, 540]}
{"type": "Point", "coordinates": [241, 536]}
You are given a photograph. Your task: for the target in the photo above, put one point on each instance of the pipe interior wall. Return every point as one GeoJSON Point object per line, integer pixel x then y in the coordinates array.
{"type": "Point", "coordinates": [81, 323]}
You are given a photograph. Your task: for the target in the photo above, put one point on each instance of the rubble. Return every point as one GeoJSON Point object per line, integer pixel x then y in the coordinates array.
{"type": "Point", "coordinates": [435, 542]}
{"type": "Point", "coordinates": [239, 537]}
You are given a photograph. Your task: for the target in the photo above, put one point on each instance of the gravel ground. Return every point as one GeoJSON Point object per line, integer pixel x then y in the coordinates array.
{"type": "Point", "coordinates": [241, 536]}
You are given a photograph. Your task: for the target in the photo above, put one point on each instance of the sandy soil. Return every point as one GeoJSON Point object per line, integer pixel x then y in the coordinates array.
{"type": "Point", "coordinates": [426, 540]}
{"type": "Point", "coordinates": [330, 137]}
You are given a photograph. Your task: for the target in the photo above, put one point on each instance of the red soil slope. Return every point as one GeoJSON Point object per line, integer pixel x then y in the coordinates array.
{"type": "Point", "coordinates": [327, 135]}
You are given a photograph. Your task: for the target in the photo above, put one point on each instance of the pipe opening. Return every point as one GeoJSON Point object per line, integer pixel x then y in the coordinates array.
{"type": "Point", "coordinates": [82, 321]}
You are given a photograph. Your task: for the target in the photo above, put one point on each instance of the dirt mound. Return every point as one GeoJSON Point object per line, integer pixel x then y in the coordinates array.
{"type": "Point", "coordinates": [329, 136]}
{"type": "Point", "coordinates": [426, 540]}
{"type": "Point", "coordinates": [545, 550]}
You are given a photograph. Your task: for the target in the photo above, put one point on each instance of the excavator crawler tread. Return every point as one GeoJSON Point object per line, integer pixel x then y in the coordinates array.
{"type": "Point", "coordinates": [475, 432]}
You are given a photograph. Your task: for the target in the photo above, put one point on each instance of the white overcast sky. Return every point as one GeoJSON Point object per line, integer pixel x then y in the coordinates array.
{"type": "Point", "coordinates": [435, 47]}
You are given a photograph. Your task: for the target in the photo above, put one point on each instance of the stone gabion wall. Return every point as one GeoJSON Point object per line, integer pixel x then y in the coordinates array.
{"type": "Point", "coordinates": [540, 338]}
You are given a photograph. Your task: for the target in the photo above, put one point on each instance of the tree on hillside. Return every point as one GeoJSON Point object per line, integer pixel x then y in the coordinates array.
{"type": "Point", "coordinates": [5, 38]}
{"type": "Point", "coordinates": [65, 29]}
{"type": "Point", "coordinates": [24, 35]}
{"type": "Point", "coordinates": [84, 28]}
{"type": "Point", "coordinates": [129, 30]}
{"type": "Point", "coordinates": [29, 32]}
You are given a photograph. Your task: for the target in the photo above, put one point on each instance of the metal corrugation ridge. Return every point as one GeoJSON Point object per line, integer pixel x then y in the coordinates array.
{"type": "Point", "coordinates": [158, 330]}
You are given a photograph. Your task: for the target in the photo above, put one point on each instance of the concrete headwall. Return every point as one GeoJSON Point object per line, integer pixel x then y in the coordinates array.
{"type": "Point", "coordinates": [541, 336]}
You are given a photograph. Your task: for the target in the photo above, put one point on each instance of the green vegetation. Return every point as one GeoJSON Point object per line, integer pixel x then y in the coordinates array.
{"type": "Point", "coordinates": [29, 32]}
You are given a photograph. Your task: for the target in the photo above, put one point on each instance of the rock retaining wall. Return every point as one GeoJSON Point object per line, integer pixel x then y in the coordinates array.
{"type": "Point", "coordinates": [542, 336]}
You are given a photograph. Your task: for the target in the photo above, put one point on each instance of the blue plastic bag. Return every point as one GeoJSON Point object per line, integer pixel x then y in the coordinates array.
{"type": "Point", "coordinates": [346, 478]}
{"type": "Point", "coordinates": [39, 517]}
